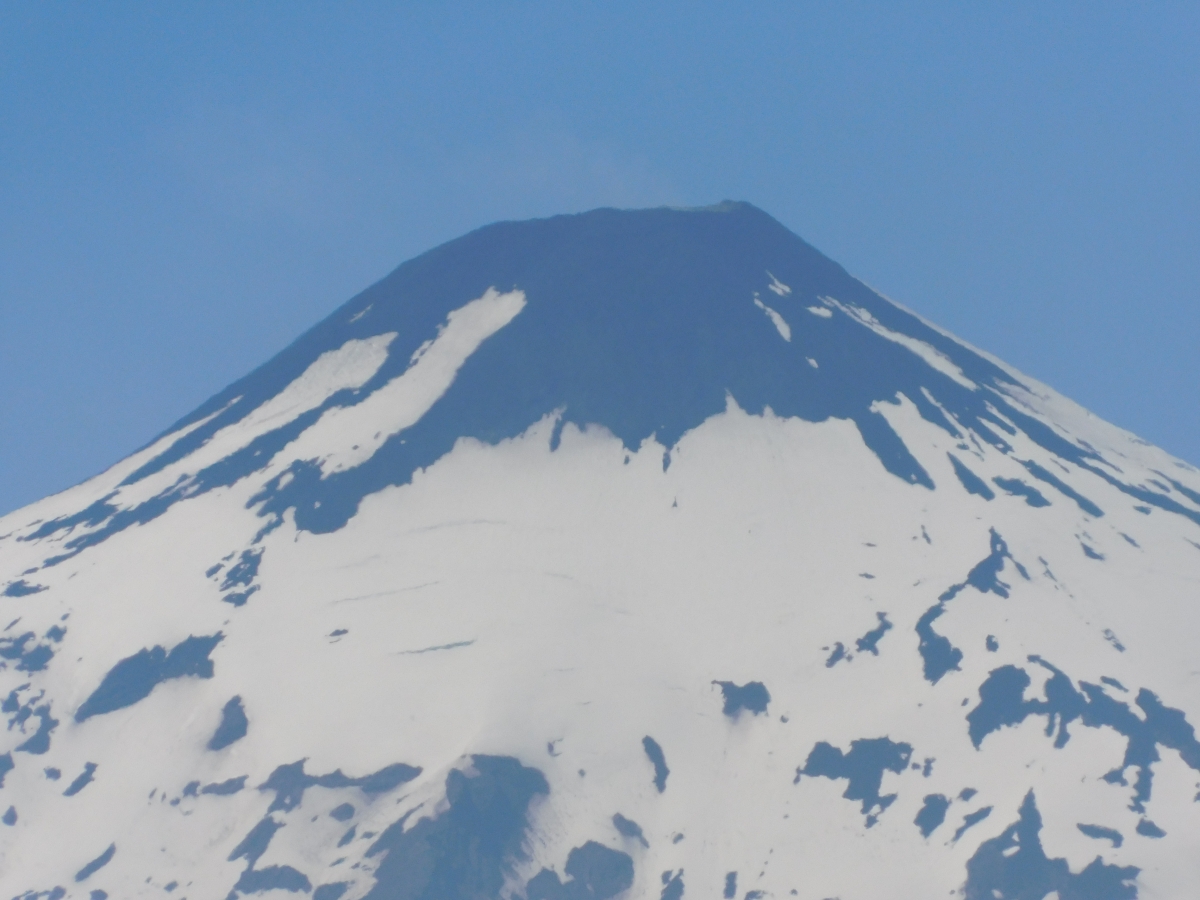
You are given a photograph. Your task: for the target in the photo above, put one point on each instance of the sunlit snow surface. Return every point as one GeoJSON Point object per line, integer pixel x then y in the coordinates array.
{"type": "Point", "coordinates": [560, 564]}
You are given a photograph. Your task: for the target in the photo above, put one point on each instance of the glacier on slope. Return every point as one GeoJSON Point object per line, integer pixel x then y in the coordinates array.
{"type": "Point", "coordinates": [632, 553]}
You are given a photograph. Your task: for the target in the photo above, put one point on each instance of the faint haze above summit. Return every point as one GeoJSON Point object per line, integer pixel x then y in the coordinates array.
{"type": "Point", "coordinates": [184, 190]}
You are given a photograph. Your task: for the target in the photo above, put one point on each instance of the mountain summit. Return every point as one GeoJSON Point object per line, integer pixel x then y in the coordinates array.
{"type": "Point", "coordinates": [623, 554]}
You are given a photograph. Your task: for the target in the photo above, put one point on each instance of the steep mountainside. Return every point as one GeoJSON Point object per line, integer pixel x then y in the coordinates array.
{"type": "Point", "coordinates": [625, 554]}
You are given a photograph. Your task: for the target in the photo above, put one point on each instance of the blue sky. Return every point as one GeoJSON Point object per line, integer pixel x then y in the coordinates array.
{"type": "Point", "coordinates": [184, 188]}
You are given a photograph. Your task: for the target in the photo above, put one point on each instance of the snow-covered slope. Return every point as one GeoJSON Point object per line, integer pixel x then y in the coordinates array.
{"type": "Point", "coordinates": [628, 554]}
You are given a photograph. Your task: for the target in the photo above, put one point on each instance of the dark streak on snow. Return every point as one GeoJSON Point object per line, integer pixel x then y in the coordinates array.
{"type": "Point", "coordinates": [630, 829]}
{"type": "Point", "coordinates": [659, 761]}
{"type": "Point", "coordinates": [1002, 704]}
{"type": "Point", "coordinates": [938, 654]}
{"type": "Point", "coordinates": [932, 814]}
{"type": "Point", "coordinates": [232, 727]}
{"type": "Point", "coordinates": [752, 696]}
{"type": "Point", "coordinates": [133, 678]}
{"type": "Point", "coordinates": [1014, 865]}
{"type": "Point", "coordinates": [289, 782]}
{"type": "Point", "coordinates": [863, 767]}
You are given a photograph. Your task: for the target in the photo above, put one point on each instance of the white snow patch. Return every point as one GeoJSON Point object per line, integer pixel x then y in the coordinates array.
{"type": "Point", "coordinates": [932, 356]}
{"type": "Point", "coordinates": [82, 495]}
{"type": "Point", "coordinates": [350, 366]}
{"type": "Point", "coordinates": [348, 436]}
{"type": "Point", "coordinates": [812, 362]}
{"type": "Point", "coordinates": [785, 330]}
{"type": "Point", "coordinates": [778, 286]}
{"type": "Point", "coordinates": [820, 311]}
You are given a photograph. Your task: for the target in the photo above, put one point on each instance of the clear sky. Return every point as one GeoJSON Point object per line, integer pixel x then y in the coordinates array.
{"type": "Point", "coordinates": [184, 188]}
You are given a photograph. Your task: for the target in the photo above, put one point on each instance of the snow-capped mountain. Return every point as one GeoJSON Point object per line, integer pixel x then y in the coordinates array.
{"type": "Point", "coordinates": [627, 554]}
